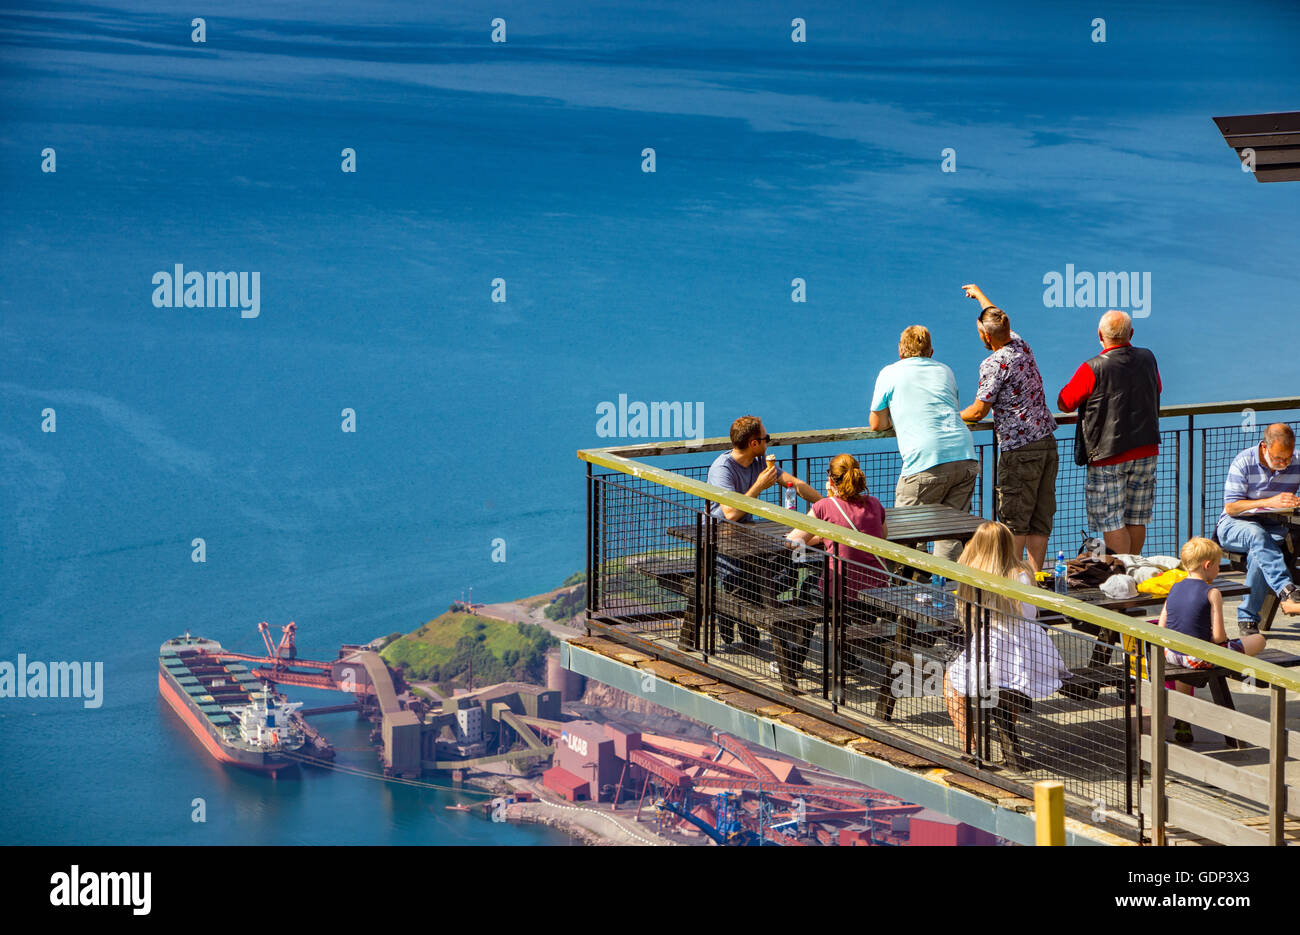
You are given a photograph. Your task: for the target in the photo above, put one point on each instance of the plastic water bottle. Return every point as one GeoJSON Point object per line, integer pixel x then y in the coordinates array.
{"type": "Point", "coordinates": [791, 497]}
{"type": "Point", "coordinates": [940, 595]}
{"type": "Point", "coordinates": [1059, 573]}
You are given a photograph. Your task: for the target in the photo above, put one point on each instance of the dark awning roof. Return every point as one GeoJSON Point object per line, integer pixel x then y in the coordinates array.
{"type": "Point", "coordinates": [1275, 139]}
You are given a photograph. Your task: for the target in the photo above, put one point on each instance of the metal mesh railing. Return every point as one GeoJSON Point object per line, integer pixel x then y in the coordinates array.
{"type": "Point", "coordinates": [881, 647]}
{"type": "Point", "coordinates": [862, 636]}
{"type": "Point", "coordinates": [637, 559]}
{"type": "Point", "coordinates": [999, 689]}
{"type": "Point", "coordinates": [1168, 530]}
{"type": "Point", "coordinates": [882, 470]}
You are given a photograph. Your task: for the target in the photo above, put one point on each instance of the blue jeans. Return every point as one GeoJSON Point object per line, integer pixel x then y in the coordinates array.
{"type": "Point", "coordinates": [1266, 569]}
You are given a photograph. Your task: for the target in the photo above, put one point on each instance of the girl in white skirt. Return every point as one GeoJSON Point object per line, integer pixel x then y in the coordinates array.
{"type": "Point", "coordinates": [1021, 656]}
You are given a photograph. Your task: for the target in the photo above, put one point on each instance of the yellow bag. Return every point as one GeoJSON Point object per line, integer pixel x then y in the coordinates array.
{"type": "Point", "coordinates": [1161, 584]}
{"type": "Point", "coordinates": [1130, 644]}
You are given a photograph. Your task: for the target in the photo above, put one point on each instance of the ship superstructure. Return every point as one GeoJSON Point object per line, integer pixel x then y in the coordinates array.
{"type": "Point", "coordinates": [237, 719]}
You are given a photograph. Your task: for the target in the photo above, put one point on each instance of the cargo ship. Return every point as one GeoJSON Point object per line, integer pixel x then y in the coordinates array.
{"type": "Point", "coordinates": [236, 718]}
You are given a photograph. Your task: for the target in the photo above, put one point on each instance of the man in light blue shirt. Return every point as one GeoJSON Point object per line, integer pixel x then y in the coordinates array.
{"type": "Point", "coordinates": [917, 396]}
{"type": "Point", "coordinates": [1262, 479]}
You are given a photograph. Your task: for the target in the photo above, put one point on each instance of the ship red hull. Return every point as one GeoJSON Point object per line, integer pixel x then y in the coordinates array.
{"type": "Point", "coordinates": [194, 722]}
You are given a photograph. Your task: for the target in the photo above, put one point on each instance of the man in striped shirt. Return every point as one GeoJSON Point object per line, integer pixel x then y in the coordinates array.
{"type": "Point", "coordinates": [1263, 478]}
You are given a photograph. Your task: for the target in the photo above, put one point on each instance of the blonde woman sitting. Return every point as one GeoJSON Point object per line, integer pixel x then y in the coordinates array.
{"type": "Point", "coordinates": [1021, 656]}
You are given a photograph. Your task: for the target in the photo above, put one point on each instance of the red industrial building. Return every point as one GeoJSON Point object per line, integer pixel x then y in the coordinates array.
{"type": "Point", "coordinates": [564, 784]}
{"type": "Point", "coordinates": [855, 837]}
{"type": "Point", "coordinates": [589, 752]}
{"type": "Point", "coordinates": [600, 762]}
{"type": "Point", "coordinates": [930, 828]}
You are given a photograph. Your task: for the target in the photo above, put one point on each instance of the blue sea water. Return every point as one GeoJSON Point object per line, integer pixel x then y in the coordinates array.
{"type": "Point", "coordinates": [522, 160]}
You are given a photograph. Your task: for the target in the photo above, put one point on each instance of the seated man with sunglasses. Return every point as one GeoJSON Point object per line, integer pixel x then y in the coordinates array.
{"type": "Point", "coordinates": [744, 470]}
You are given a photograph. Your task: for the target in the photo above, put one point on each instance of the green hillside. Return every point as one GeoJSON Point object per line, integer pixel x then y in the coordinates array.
{"type": "Point", "coordinates": [442, 649]}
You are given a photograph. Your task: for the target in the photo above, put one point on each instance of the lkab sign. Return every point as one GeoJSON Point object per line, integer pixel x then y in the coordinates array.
{"type": "Point", "coordinates": [575, 743]}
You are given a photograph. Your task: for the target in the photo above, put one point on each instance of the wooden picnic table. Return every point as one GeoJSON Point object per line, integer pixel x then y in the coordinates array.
{"type": "Point", "coordinates": [906, 525]}
{"type": "Point", "coordinates": [1129, 606]}
{"type": "Point", "coordinates": [762, 557]}
{"type": "Point", "coordinates": [1099, 598]}
{"type": "Point", "coordinates": [931, 522]}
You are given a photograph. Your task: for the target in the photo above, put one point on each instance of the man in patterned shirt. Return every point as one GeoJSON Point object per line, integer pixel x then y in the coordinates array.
{"type": "Point", "coordinates": [1012, 387]}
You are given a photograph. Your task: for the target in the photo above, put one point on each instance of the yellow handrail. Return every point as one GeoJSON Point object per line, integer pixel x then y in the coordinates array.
{"type": "Point", "coordinates": [1046, 600]}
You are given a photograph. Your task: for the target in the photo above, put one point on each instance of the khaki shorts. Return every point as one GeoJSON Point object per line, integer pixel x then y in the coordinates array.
{"type": "Point", "coordinates": [951, 483]}
{"type": "Point", "coordinates": [1026, 490]}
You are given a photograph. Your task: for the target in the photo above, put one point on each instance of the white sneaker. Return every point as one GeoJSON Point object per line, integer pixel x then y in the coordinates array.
{"type": "Point", "coordinates": [774, 670]}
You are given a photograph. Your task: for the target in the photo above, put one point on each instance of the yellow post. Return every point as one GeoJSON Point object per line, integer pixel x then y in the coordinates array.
{"type": "Point", "coordinates": [1049, 813]}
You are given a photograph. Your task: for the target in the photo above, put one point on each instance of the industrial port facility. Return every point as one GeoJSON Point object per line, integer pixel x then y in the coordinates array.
{"type": "Point", "coordinates": [517, 738]}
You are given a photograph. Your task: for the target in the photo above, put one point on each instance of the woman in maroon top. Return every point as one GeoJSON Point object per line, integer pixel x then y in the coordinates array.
{"type": "Point", "coordinates": [848, 504]}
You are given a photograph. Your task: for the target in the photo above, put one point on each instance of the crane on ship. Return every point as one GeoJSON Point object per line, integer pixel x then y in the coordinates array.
{"type": "Point", "coordinates": [286, 649]}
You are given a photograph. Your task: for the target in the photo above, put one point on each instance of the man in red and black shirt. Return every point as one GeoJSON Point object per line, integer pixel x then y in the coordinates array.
{"type": "Point", "coordinates": [1117, 394]}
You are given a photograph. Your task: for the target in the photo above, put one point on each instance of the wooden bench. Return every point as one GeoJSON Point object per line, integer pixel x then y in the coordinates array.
{"type": "Point", "coordinates": [913, 625]}
{"type": "Point", "coordinates": [1217, 677]}
{"type": "Point", "coordinates": [869, 627]}
{"type": "Point", "coordinates": [668, 573]}
{"type": "Point", "coordinates": [676, 575]}
{"type": "Point", "coordinates": [790, 625]}
{"type": "Point", "coordinates": [1087, 682]}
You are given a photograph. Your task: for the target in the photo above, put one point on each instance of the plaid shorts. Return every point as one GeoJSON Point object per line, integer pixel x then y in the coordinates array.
{"type": "Point", "coordinates": [1120, 495]}
{"type": "Point", "coordinates": [1191, 662]}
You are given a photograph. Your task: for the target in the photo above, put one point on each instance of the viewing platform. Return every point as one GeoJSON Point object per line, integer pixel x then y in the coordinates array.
{"type": "Point", "coordinates": [724, 623]}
